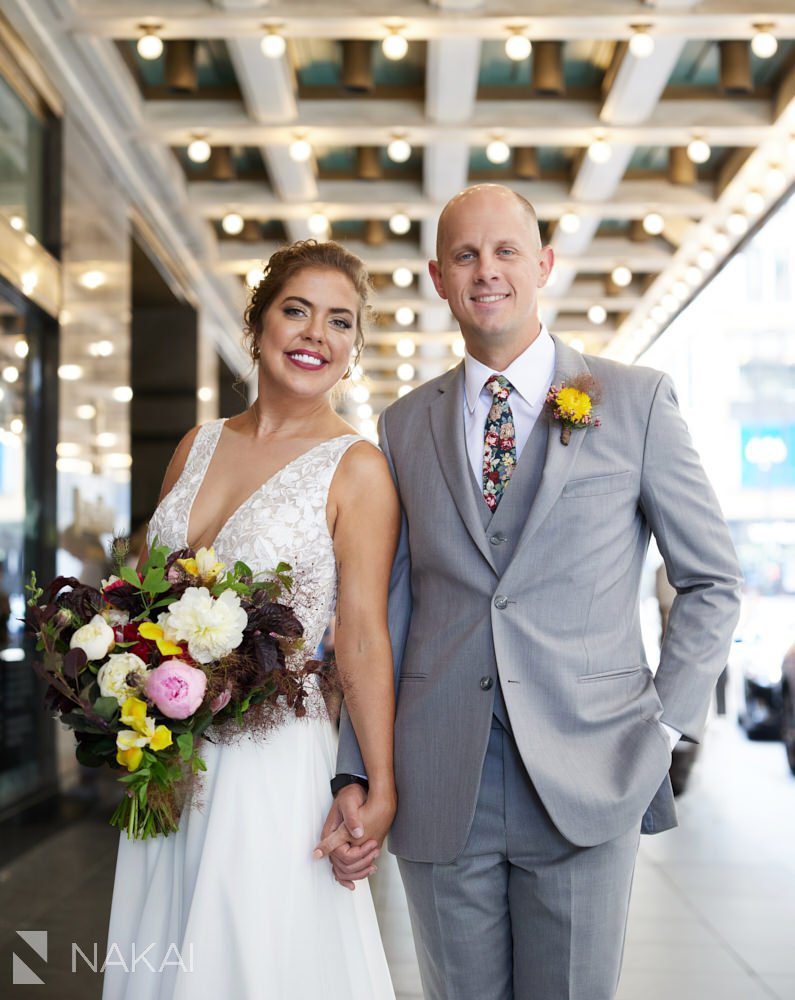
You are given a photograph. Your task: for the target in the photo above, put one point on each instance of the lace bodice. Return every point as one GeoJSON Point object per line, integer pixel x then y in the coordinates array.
{"type": "Point", "coordinates": [284, 520]}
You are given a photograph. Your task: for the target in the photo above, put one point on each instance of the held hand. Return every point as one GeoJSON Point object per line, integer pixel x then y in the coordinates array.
{"type": "Point", "coordinates": [352, 862]}
{"type": "Point", "coordinates": [337, 839]}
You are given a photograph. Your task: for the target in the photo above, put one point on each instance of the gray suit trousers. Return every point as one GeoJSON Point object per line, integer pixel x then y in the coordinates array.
{"type": "Point", "coordinates": [522, 913]}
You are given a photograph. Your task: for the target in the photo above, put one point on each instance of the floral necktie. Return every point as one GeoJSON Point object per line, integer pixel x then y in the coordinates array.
{"type": "Point", "coordinates": [499, 446]}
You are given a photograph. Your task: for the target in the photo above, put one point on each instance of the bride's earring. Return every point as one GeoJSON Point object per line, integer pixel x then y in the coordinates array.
{"type": "Point", "coordinates": [348, 372]}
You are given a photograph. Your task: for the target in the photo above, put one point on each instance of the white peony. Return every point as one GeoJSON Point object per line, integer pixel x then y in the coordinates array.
{"type": "Point", "coordinates": [212, 627]}
{"type": "Point", "coordinates": [95, 639]}
{"type": "Point", "coordinates": [113, 676]}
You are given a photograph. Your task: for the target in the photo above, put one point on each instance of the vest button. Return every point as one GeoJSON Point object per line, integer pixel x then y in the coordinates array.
{"type": "Point", "coordinates": [497, 539]}
{"type": "Point", "coordinates": [500, 602]}
{"type": "Point", "coordinates": [486, 683]}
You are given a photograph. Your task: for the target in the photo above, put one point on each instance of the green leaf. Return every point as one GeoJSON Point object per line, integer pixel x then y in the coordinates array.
{"type": "Point", "coordinates": [106, 708]}
{"type": "Point", "coordinates": [129, 575]}
{"type": "Point", "coordinates": [241, 569]}
{"type": "Point", "coordinates": [153, 578]}
{"type": "Point", "coordinates": [185, 744]}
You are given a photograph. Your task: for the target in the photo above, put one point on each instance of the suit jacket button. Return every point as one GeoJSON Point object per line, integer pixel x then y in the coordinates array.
{"type": "Point", "coordinates": [497, 539]}
{"type": "Point", "coordinates": [487, 683]}
{"type": "Point", "coordinates": [500, 602]}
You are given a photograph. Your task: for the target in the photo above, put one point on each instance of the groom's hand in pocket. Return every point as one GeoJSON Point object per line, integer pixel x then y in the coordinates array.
{"type": "Point", "coordinates": [341, 838]}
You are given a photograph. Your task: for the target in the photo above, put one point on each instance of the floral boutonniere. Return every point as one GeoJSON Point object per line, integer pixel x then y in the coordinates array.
{"type": "Point", "coordinates": [572, 404]}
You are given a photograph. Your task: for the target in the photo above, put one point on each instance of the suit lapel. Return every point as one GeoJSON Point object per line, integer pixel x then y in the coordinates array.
{"type": "Point", "coordinates": [559, 457]}
{"type": "Point", "coordinates": [447, 428]}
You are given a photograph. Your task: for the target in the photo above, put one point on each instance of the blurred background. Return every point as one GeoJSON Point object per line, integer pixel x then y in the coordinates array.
{"type": "Point", "coordinates": [152, 157]}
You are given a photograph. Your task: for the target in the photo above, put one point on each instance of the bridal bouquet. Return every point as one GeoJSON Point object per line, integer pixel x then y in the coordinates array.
{"type": "Point", "coordinates": [140, 668]}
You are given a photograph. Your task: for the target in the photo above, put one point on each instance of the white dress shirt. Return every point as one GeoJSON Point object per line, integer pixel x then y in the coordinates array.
{"type": "Point", "coordinates": [531, 375]}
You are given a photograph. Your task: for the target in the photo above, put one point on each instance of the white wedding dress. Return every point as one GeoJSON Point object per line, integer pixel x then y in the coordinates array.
{"type": "Point", "coordinates": [233, 903]}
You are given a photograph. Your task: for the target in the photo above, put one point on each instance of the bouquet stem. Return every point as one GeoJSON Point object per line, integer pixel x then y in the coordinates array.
{"type": "Point", "coordinates": [142, 818]}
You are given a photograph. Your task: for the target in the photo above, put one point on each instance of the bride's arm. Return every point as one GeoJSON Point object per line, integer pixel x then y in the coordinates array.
{"type": "Point", "coordinates": [173, 472]}
{"type": "Point", "coordinates": [366, 514]}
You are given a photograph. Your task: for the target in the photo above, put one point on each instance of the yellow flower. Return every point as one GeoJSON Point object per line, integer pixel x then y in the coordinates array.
{"type": "Point", "coordinates": [133, 713]}
{"type": "Point", "coordinates": [205, 566]}
{"type": "Point", "coordinates": [161, 738]}
{"type": "Point", "coordinates": [131, 759]}
{"type": "Point", "coordinates": [148, 630]}
{"type": "Point", "coordinates": [574, 404]}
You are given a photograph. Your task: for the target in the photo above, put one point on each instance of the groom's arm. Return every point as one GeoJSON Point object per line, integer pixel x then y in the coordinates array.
{"type": "Point", "coordinates": [349, 758]}
{"type": "Point", "coordinates": [683, 512]}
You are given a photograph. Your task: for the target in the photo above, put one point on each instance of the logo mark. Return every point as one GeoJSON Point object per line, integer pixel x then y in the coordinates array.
{"type": "Point", "coordinates": [22, 974]}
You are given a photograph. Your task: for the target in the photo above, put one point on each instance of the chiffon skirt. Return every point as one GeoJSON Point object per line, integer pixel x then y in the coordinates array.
{"type": "Point", "coordinates": [233, 904]}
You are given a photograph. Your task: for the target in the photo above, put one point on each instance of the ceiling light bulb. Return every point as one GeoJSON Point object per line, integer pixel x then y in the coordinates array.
{"type": "Point", "coordinates": [300, 150]}
{"type": "Point", "coordinates": [404, 390]}
{"type": "Point", "coordinates": [86, 411]}
{"type": "Point", "coordinates": [404, 315]}
{"type": "Point", "coordinates": [199, 151]}
{"type": "Point", "coordinates": [569, 222]}
{"type": "Point", "coordinates": [775, 180]}
{"type": "Point", "coordinates": [406, 347]}
{"type": "Point", "coordinates": [232, 224]}
{"type": "Point", "coordinates": [402, 277]}
{"type": "Point", "coordinates": [621, 276]}
{"type": "Point", "coordinates": [254, 276]}
{"type": "Point", "coordinates": [318, 224]}
{"type": "Point", "coordinates": [29, 280]}
{"type": "Point", "coordinates": [658, 314]}
{"type": "Point", "coordinates": [764, 44]}
{"type": "Point", "coordinates": [706, 260]}
{"type": "Point", "coordinates": [204, 393]}
{"type": "Point", "coordinates": [498, 151]}
{"type": "Point", "coordinates": [518, 46]}
{"type": "Point", "coordinates": [681, 290]}
{"type": "Point", "coordinates": [394, 46]}
{"type": "Point", "coordinates": [17, 222]}
{"type": "Point", "coordinates": [641, 44]}
{"type": "Point", "coordinates": [577, 345]}
{"type": "Point", "coordinates": [106, 439]}
{"type": "Point", "coordinates": [405, 372]}
{"type": "Point", "coordinates": [597, 315]}
{"type": "Point", "coordinates": [273, 45]}
{"type": "Point", "coordinates": [754, 202]}
{"type": "Point", "coordinates": [459, 347]}
{"type": "Point", "coordinates": [398, 150]}
{"type": "Point", "coordinates": [17, 425]}
{"type": "Point", "coordinates": [721, 242]}
{"type": "Point", "coordinates": [360, 394]}
{"type": "Point", "coordinates": [400, 223]}
{"type": "Point", "coordinates": [653, 223]}
{"type": "Point", "coordinates": [92, 279]}
{"type": "Point", "coordinates": [699, 150]}
{"type": "Point", "coordinates": [670, 301]}
{"type": "Point", "coordinates": [70, 373]}
{"type": "Point", "coordinates": [101, 349]}
{"type": "Point", "coordinates": [600, 151]}
{"type": "Point", "coordinates": [364, 411]}
{"type": "Point", "coordinates": [21, 349]}
{"type": "Point", "coordinates": [122, 394]}
{"type": "Point", "coordinates": [694, 276]}
{"type": "Point", "coordinates": [150, 46]}
{"type": "Point", "coordinates": [10, 374]}
{"type": "Point", "coordinates": [737, 224]}
{"type": "Point", "coordinates": [67, 449]}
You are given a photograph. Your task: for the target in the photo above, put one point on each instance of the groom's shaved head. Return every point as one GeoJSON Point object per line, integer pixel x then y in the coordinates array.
{"type": "Point", "coordinates": [493, 191]}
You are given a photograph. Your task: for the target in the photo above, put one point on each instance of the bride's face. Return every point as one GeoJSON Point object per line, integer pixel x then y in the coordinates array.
{"type": "Point", "coordinates": [308, 331]}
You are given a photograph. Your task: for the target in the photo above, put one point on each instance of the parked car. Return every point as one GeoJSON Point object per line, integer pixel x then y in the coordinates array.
{"type": "Point", "coordinates": [755, 662]}
{"type": "Point", "coordinates": [788, 705]}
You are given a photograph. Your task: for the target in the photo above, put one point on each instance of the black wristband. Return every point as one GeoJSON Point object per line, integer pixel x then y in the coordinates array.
{"type": "Point", "coordinates": [339, 782]}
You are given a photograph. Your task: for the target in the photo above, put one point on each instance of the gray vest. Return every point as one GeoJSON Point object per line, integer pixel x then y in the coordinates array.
{"type": "Point", "coordinates": [504, 526]}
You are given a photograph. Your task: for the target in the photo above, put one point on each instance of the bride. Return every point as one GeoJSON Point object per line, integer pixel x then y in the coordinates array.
{"type": "Point", "coordinates": [234, 903]}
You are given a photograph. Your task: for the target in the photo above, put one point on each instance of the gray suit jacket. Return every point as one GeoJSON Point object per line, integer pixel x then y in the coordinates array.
{"type": "Point", "coordinates": [561, 621]}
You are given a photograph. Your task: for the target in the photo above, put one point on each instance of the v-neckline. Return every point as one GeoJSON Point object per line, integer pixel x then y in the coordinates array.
{"type": "Point", "coordinates": [251, 495]}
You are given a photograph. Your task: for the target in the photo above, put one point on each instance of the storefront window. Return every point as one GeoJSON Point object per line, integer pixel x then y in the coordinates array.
{"type": "Point", "coordinates": [21, 164]}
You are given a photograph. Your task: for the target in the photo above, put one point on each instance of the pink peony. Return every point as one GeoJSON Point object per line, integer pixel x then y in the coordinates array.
{"type": "Point", "coordinates": [175, 688]}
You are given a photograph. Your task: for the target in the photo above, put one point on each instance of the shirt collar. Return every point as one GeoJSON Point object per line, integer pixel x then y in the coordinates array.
{"type": "Point", "coordinates": [530, 374]}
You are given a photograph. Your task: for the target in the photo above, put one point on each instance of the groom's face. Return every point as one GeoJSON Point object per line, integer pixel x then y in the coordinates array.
{"type": "Point", "coordinates": [490, 267]}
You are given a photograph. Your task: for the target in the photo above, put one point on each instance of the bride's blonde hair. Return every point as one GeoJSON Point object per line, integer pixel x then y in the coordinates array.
{"type": "Point", "coordinates": [289, 261]}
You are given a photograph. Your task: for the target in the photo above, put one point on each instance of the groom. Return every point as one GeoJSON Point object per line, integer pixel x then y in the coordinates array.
{"type": "Point", "coordinates": [532, 742]}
